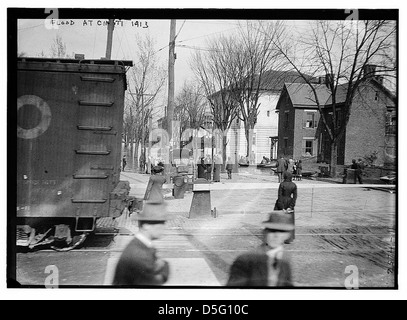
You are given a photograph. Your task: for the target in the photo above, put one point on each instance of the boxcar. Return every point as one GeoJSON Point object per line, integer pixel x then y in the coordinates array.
{"type": "Point", "coordinates": [69, 125]}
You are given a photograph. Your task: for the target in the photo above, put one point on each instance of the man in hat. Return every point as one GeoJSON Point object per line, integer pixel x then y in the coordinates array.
{"type": "Point", "coordinates": [138, 264]}
{"type": "Point", "coordinates": [281, 168]}
{"type": "Point", "coordinates": [267, 266]}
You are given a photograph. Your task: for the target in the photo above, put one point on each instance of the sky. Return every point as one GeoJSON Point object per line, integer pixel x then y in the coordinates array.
{"type": "Point", "coordinates": [81, 37]}
{"type": "Point", "coordinates": [89, 37]}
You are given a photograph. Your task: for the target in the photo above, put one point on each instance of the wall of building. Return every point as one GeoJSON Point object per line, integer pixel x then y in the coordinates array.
{"type": "Point", "coordinates": [266, 127]}
{"type": "Point", "coordinates": [286, 129]}
{"type": "Point", "coordinates": [302, 133]}
{"type": "Point", "coordinates": [267, 124]}
{"type": "Point", "coordinates": [366, 130]}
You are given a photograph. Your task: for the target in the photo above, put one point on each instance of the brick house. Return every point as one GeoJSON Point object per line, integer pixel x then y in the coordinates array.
{"type": "Point", "coordinates": [370, 131]}
{"type": "Point", "coordinates": [298, 120]}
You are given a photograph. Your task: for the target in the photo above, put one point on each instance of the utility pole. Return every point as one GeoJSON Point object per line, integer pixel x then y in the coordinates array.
{"type": "Point", "coordinates": [171, 63]}
{"type": "Point", "coordinates": [150, 126]}
{"type": "Point", "coordinates": [143, 146]}
{"type": "Point", "coordinates": [110, 28]}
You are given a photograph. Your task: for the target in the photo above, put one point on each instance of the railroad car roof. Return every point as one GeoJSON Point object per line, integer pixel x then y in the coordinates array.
{"type": "Point", "coordinates": [127, 63]}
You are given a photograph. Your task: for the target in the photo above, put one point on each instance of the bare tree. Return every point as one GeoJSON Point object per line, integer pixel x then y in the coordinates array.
{"type": "Point", "coordinates": [252, 54]}
{"type": "Point", "coordinates": [343, 50]}
{"type": "Point", "coordinates": [211, 69]}
{"type": "Point", "coordinates": [190, 112]}
{"type": "Point", "coordinates": [146, 79]}
{"type": "Point", "coordinates": [58, 48]}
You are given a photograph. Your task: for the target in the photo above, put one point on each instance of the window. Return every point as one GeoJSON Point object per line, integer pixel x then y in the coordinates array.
{"type": "Point", "coordinates": [310, 120]}
{"type": "Point", "coordinates": [287, 118]}
{"type": "Point", "coordinates": [308, 148]}
{"type": "Point", "coordinates": [268, 113]}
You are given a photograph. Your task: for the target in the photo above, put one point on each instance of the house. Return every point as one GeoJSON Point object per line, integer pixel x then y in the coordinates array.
{"type": "Point", "coordinates": [264, 135]}
{"type": "Point", "coordinates": [298, 120]}
{"type": "Point", "coordinates": [369, 133]}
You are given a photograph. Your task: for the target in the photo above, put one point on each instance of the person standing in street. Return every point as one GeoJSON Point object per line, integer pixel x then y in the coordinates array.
{"type": "Point", "coordinates": [281, 168]}
{"type": "Point", "coordinates": [208, 167]}
{"type": "Point", "coordinates": [252, 158]}
{"type": "Point", "coordinates": [229, 168]}
{"type": "Point", "coordinates": [287, 193]}
{"type": "Point", "coordinates": [202, 168]}
{"type": "Point", "coordinates": [286, 201]}
{"type": "Point", "coordinates": [268, 265]}
{"type": "Point", "coordinates": [154, 188]}
{"type": "Point", "coordinates": [299, 170]}
{"type": "Point", "coordinates": [124, 162]}
{"type": "Point", "coordinates": [290, 166]}
{"type": "Point", "coordinates": [138, 265]}
{"type": "Point", "coordinates": [358, 171]}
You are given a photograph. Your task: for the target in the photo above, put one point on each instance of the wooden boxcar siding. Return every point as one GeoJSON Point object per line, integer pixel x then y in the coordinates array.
{"type": "Point", "coordinates": [48, 163]}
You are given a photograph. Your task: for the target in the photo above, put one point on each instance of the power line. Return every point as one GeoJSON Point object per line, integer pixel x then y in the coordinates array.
{"type": "Point", "coordinates": [180, 29]}
{"type": "Point", "coordinates": [214, 22]}
{"type": "Point", "coordinates": [198, 48]}
{"type": "Point", "coordinates": [20, 29]}
{"type": "Point", "coordinates": [206, 35]}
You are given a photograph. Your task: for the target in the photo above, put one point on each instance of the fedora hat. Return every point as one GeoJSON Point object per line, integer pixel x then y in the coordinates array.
{"type": "Point", "coordinates": [153, 211]}
{"type": "Point", "coordinates": [279, 221]}
{"type": "Point", "coordinates": [158, 169]}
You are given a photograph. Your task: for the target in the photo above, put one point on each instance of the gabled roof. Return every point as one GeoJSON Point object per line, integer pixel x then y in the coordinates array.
{"type": "Point", "coordinates": [341, 92]}
{"type": "Point", "coordinates": [301, 94]}
{"type": "Point", "coordinates": [273, 80]}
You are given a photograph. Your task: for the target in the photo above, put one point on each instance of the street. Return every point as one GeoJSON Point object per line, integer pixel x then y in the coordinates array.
{"type": "Point", "coordinates": [337, 227]}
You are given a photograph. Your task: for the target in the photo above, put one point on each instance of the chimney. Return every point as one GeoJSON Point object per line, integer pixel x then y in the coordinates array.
{"type": "Point", "coordinates": [321, 80]}
{"type": "Point", "coordinates": [380, 79]}
{"type": "Point", "coordinates": [369, 71]}
{"type": "Point", "coordinates": [329, 79]}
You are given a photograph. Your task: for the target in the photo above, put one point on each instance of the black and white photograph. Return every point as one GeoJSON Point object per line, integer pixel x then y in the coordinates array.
{"type": "Point", "coordinates": [225, 149]}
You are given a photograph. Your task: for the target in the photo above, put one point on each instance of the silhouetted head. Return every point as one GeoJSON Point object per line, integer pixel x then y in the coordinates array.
{"type": "Point", "coordinates": [288, 176]}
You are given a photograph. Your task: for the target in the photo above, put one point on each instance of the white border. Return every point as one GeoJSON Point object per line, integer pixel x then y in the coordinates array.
{"type": "Point", "coordinates": [208, 294]}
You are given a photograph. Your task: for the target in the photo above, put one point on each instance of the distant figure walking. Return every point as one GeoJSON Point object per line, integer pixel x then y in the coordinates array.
{"type": "Point", "coordinates": [124, 162]}
{"type": "Point", "coordinates": [299, 170]}
{"type": "Point", "coordinates": [252, 158]}
{"type": "Point", "coordinates": [287, 193]}
{"type": "Point", "coordinates": [229, 168]}
{"type": "Point", "coordinates": [154, 191]}
{"type": "Point", "coordinates": [281, 168]}
{"type": "Point", "coordinates": [208, 167]}
{"type": "Point", "coordinates": [357, 166]}
{"type": "Point", "coordinates": [290, 166]}
{"type": "Point", "coordinates": [287, 198]}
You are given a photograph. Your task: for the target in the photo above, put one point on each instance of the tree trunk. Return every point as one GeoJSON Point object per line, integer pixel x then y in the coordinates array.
{"type": "Point", "coordinates": [135, 161]}
{"type": "Point", "coordinates": [224, 155]}
{"type": "Point", "coordinates": [334, 159]}
{"type": "Point", "coordinates": [131, 157]}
